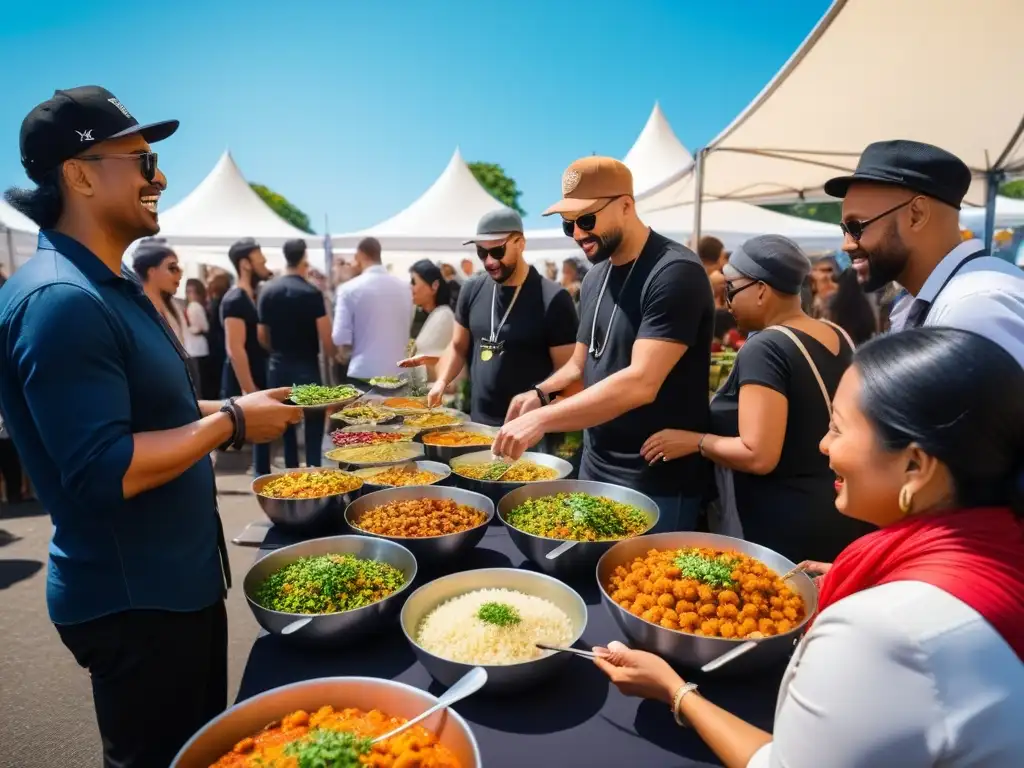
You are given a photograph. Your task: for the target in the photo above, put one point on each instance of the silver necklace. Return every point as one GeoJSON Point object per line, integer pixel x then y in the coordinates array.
{"type": "Point", "coordinates": [598, 349]}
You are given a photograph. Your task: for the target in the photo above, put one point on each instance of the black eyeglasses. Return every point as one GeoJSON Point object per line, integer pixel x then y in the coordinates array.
{"type": "Point", "coordinates": [497, 252]}
{"type": "Point", "coordinates": [586, 222]}
{"type": "Point", "coordinates": [855, 228]}
{"type": "Point", "coordinates": [146, 161]}
{"type": "Point", "coordinates": [730, 291]}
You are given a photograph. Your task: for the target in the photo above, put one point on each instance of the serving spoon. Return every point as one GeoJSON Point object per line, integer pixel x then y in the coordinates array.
{"type": "Point", "coordinates": [467, 685]}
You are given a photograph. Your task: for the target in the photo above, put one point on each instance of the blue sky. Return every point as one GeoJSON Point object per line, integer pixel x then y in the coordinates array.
{"type": "Point", "coordinates": [353, 109]}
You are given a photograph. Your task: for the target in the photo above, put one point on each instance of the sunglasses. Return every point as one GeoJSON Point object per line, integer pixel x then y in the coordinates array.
{"type": "Point", "coordinates": [855, 228]}
{"type": "Point", "coordinates": [497, 252]}
{"type": "Point", "coordinates": [586, 222]}
{"type": "Point", "coordinates": [146, 161]}
{"type": "Point", "coordinates": [731, 292]}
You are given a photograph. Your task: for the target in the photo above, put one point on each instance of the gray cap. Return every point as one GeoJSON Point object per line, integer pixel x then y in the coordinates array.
{"type": "Point", "coordinates": [774, 260]}
{"type": "Point", "coordinates": [497, 224]}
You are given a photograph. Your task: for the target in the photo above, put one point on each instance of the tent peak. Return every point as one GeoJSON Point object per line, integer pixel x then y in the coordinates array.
{"type": "Point", "coordinates": [657, 153]}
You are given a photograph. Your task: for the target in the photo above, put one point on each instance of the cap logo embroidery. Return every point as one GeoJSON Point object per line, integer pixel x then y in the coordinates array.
{"type": "Point", "coordinates": [85, 135]}
{"type": "Point", "coordinates": [120, 108]}
{"type": "Point", "coordinates": [569, 181]}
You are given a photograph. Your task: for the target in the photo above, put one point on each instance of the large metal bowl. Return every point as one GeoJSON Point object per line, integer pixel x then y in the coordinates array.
{"type": "Point", "coordinates": [219, 736]}
{"type": "Point", "coordinates": [369, 486]}
{"type": "Point", "coordinates": [504, 678]}
{"type": "Point", "coordinates": [692, 650]}
{"type": "Point", "coordinates": [432, 549]}
{"type": "Point", "coordinates": [331, 628]}
{"type": "Point", "coordinates": [583, 556]}
{"type": "Point", "coordinates": [413, 451]}
{"type": "Point", "coordinates": [445, 453]}
{"type": "Point", "coordinates": [497, 490]}
{"type": "Point", "coordinates": [321, 512]}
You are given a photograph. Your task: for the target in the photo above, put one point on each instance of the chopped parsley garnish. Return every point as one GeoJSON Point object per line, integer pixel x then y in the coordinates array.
{"type": "Point", "coordinates": [499, 614]}
{"type": "Point", "coordinates": [714, 572]}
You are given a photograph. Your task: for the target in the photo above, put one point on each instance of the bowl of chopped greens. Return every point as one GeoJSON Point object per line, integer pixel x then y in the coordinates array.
{"type": "Point", "coordinates": [717, 585]}
{"type": "Point", "coordinates": [329, 590]}
{"type": "Point", "coordinates": [389, 382]}
{"type": "Point", "coordinates": [309, 498]}
{"type": "Point", "coordinates": [319, 396]}
{"type": "Point", "coordinates": [364, 703]}
{"type": "Point", "coordinates": [564, 526]}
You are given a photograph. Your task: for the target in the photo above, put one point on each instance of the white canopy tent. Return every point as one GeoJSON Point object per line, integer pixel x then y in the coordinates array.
{"type": "Point", "coordinates": [18, 235]}
{"type": "Point", "coordinates": [1009, 214]}
{"type": "Point", "coordinates": [658, 153]}
{"type": "Point", "coordinates": [221, 210]}
{"type": "Point", "coordinates": [871, 70]}
{"type": "Point", "coordinates": [435, 225]}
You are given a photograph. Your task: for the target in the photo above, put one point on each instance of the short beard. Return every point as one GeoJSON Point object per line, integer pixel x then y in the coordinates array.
{"type": "Point", "coordinates": [505, 274]}
{"type": "Point", "coordinates": [607, 245]}
{"type": "Point", "coordinates": [886, 262]}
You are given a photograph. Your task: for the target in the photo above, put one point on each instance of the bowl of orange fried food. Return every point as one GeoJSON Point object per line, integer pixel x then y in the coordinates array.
{"type": "Point", "coordinates": [694, 597]}
{"type": "Point", "coordinates": [297, 724]}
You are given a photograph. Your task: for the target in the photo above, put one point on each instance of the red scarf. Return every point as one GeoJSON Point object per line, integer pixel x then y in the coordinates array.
{"type": "Point", "coordinates": [975, 555]}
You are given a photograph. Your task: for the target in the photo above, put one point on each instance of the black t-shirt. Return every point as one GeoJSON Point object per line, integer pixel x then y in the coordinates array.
{"type": "Point", "coordinates": [237, 303]}
{"type": "Point", "coordinates": [792, 508]}
{"type": "Point", "coordinates": [290, 306]}
{"type": "Point", "coordinates": [668, 297]}
{"type": "Point", "coordinates": [543, 317]}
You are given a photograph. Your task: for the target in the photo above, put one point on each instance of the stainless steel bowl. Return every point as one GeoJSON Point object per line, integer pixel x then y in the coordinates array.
{"type": "Point", "coordinates": [691, 650]}
{"type": "Point", "coordinates": [219, 736]}
{"type": "Point", "coordinates": [496, 490]}
{"type": "Point", "coordinates": [369, 486]}
{"type": "Point", "coordinates": [427, 548]}
{"type": "Point", "coordinates": [330, 628]}
{"type": "Point", "coordinates": [413, 451]}
{"type": "Point", "coordinates": [445, 453]}
{"type": "Point", "coordinates": [304, 513]}
{"type": "Point", "coordinates": [582, 556]}
{"type": "Point", "coordinates": [504, 678]}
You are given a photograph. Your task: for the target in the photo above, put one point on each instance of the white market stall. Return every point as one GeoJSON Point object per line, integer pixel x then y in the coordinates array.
{"type": "Point", "coordinates": [434, 226]}
{"type": "Point", "coordinates": [223, 208]}
{"type": "Point", "coordinates": [872, 70]}
{"type": "Point", "coordinates": [18, 235]}
{"type": "Point", "coordinates": [1009, 214]}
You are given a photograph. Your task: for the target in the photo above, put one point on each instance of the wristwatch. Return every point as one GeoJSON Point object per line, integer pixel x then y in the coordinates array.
{"type": "Point", "coordinates": [545, 399]}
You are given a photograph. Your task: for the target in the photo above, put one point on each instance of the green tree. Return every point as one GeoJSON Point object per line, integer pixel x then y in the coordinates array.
{"type": "Point", "coordinates": [831, 213]}
{"type": "Point", "coordinates": [280, 205]}
{"type": "Point", "coordinates": [1013, 189]}
{"type": "Point", "coordinates": [493, 178]}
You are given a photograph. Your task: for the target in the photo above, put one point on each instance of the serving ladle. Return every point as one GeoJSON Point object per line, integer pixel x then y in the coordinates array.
{"type": "Point", "coordinates": [467, 685]}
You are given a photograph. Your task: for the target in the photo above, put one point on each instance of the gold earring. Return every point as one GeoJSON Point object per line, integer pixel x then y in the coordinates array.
{"type": "Point", "coordinates": [906, 500]}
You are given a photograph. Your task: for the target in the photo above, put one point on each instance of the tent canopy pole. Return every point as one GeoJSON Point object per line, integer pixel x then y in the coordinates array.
{"type": "Point", "coordinates": [698, 192]}
{"type": "Point", "coordinates": [993, 180]}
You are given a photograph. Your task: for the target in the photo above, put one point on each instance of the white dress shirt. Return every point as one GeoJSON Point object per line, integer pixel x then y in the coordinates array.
{"type": "Point", "coordinates": [986, 296]}
{"type": "Point", "coordinates": [373, 315]}
{"type": "Point", "coordinates": [903, 675]}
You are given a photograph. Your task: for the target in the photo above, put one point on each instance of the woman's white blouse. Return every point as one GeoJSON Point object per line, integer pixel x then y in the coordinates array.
{"type": "Point", "coordinates": [198, 325]}
{"type": "Point", "coordinates": [434, 337]}
{"type": "Point", "coordinates": [902, 675]}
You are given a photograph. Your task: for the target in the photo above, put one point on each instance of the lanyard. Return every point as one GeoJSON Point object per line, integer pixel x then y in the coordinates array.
{"type": "Point", "coordinates": [494, 298]}
{"type": "Point", "coordinates": [598, 349]}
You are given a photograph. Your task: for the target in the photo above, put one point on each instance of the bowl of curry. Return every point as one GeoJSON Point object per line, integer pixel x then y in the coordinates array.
{"type": "Point", "coordinates": [284, 726]}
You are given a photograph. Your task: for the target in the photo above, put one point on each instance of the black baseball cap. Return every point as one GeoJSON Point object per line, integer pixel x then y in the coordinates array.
{"type": "Point", "coordinates": [71, 121]}
{"type": "Point", "coordinates": [920, 167]}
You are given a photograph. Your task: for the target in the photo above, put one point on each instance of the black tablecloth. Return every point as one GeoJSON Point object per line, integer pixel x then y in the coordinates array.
{"type": "Point", "coordinates": [573, 720]}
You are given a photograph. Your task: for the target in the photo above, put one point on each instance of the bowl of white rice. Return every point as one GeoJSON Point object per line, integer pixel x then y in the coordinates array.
{"type": "Point", "coordinates": [493, 618]}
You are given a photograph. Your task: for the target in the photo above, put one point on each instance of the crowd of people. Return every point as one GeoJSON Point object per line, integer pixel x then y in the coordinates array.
{"type": "Point", "coordinates": [894, 470]}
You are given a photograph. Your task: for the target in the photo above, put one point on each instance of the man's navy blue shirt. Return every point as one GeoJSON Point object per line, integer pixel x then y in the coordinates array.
{"type": "Point", "coordinates": [85, 362]}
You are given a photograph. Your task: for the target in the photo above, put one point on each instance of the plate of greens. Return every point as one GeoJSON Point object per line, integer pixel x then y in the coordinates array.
{"type": "Point", "coordinates": [320, 396]}
{"type": "Point", "coordinates": [388, 382]}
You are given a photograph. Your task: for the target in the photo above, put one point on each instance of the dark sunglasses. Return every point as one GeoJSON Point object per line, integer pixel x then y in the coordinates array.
{"type": "Point", "coordinates": [586, 222]}
{"type": "Point", "coordinates": [730, 291]}
{"type": "Point", "coordinates": [497, 252]}
{"type": "Point", "coordinates": [146, 161]}
{"type": "Point", "coordinates": [855, 228]}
